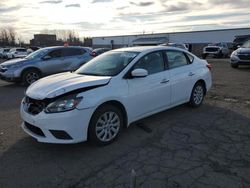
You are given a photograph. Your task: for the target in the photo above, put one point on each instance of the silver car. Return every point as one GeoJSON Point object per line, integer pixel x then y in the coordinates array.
{"type": "Point", "coordinates": [43, 62]}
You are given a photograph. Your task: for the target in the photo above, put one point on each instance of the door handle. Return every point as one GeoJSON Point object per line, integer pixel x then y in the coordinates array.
{"type": "Point", "coordinates": [191, 74]}
{"type": "Point", "coordinates": [164, 81]}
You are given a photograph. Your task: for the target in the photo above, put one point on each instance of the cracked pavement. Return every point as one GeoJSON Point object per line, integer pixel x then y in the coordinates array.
{"type": "Point", "coordinates": [185, 147]}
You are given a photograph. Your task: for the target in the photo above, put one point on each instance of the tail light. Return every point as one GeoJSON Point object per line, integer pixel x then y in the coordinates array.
{"type": "Point", "coordinates": [209, 66]}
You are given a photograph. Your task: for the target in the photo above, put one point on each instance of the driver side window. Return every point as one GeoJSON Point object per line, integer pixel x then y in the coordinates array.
{"type": "Point", "coordinates": [55, 53]}
{"type": "Point", "coordinates": [152, 62]}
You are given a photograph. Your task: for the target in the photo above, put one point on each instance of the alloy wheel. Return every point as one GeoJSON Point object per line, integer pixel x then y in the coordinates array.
{"type": "Point", "coordinates": [32, 77]}
{"type": "Point", "coordinates": [108, 126]}
{"type": "Point", "coordinates": [198, 94]}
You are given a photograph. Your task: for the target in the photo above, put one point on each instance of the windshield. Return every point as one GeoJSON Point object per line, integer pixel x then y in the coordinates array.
{"type": "Point", "coordinates": [246, 44]}
{"type": "Point", "coordinates": [108, 64]}
{"type": "Point", "coordinates": [214, 44]}
{"type": "Point", "coordinates": [37, 54]}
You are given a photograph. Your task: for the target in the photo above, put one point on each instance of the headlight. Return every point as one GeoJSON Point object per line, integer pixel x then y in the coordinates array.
{"type": "Point", "coordinates": [63, 104]}
{"type": "Point", "coordinates": [235, 53]}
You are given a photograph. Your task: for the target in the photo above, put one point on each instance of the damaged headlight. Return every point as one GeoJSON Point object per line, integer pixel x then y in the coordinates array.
{"type": "Point", "coordinates": [63, 104]}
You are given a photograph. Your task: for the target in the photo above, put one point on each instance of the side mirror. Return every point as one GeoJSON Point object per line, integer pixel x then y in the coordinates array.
{"type": "Point", "coordinates": [137, 73]}
{"type": "Point", "coordinates": [47, 57]}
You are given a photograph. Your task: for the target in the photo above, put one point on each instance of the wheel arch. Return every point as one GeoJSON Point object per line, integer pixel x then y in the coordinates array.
{"type": "Point", "coordinates": [119, 105]}
{"type": "Point", "coordinates": [203, 83]}
{"type": "Point", "coordinates": [30, 68]}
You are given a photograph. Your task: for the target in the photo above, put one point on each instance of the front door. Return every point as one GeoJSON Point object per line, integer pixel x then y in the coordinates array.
{"type": "Point", "coordinates": [150, 93]}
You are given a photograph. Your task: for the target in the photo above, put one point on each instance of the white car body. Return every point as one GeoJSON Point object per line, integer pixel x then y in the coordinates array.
{"type": "Point", "coordinates": [140, 97]}
{"type": "Point", "coordinates": [17, 53]}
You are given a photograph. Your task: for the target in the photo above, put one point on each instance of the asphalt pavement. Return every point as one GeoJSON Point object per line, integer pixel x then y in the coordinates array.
{"type": "Point", "coordinates": [182, 147]}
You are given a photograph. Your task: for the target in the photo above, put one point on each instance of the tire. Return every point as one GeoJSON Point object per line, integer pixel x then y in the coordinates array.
{"type": "Point", "coordinates": [105, 125]}
{"type": "Point", "coordinates": [30, 76]}
{"type": "Point", "coordinates": [197, 95]}
{"type": "Point", "coordinates": [233, 65]}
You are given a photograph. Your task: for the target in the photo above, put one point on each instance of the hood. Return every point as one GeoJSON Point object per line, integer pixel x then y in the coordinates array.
{"type": "Point", "coordinates": [244, 50]}
{"type": "Point", "coordinates": [13, 62]}
{"type": "Point", "coordinates": [59, 84]}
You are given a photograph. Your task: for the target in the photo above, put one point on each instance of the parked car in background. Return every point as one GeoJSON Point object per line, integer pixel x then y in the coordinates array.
{"type": "Point", "coordinates": [3, 52]}
{"type": "Point", "coordinates": [241, 56]}
{"type": "Point", "coordinates": [239, 41]}
{"type": "Point", "coordinates": [218, 50]}
{"type": "Point", "coordinates": [17, 53]}
{"type": "Point", "coordinates": [177, 45]}
{"type": "Point", "coordinates": [111, 91]}
{"type": "Point", "coordinates": [32, 49]}
{"type": "Point", "coordinates": [99, 51]}
{"type": "Point", "coordinates": [44, 62]}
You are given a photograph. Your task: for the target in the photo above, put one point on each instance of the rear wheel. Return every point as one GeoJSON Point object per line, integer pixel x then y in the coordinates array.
{"type": "Point", "coordinates": [197, 95]}
{"type": "Point", "coordinates": [105, 125]}
{"type": "Point", "coordinates": [30, 76]}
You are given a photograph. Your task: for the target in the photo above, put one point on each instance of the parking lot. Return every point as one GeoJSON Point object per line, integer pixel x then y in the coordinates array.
{"type": "Point", "coordinates": [182, 147]}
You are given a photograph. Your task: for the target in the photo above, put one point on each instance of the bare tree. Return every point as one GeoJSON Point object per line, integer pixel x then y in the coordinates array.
{"type": "Point", "coordinates": [12, 36]}
{"type": "Point", "coordinates": [7, 36]}
{"type": "Point", "coordinates": [69, 36]}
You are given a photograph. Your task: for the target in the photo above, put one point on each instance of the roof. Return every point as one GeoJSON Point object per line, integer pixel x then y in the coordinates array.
{"type": "Point", "coordinates": [146, 48]}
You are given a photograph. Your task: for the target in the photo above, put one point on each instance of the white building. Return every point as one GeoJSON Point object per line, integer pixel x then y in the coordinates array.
{"type": "Point", "coordinates": [197, 39]}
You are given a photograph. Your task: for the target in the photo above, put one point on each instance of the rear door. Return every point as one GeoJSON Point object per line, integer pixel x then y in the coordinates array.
{"type": "Point", "coordinates": [181, 76]}
{"type": "Point", "coordinates": [74, 58]}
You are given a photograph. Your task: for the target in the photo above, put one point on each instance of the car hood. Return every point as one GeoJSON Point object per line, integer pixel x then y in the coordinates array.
{"type": "Point", "coordinates": [59, 84]}
{"type": "Point", "coordinates": [244, 50]}
{"type": "Point", "coordinates": [13, 62]}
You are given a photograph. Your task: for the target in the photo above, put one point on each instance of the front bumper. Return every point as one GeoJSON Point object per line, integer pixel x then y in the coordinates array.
{"type": "Point", "coordinates": [238, 61]}
{"type": "Point", "coordinates": [43, 126]}
{"type": "Point", "coordinates": [9, 77]}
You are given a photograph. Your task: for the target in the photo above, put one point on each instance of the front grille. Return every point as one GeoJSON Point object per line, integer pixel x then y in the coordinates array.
{"type": "Point", "coordinates": [34, 106]}
{"type": "Point", "coordinates": [244, 56]}
{"type": "Point", "coordinates": [212, 49]}
{"type": "Point", "coordinates": [34, 129]}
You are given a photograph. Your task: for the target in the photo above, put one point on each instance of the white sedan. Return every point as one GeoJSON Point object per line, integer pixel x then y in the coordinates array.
{"type": "Point", "coordinates": [111, 91]}
{"type": "Point", "coordinates": [17, 53]}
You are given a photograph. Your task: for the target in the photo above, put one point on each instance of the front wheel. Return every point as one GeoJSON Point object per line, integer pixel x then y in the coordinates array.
{"type": "Point", "coordinates": [105, 125]}
{"type": "Point", "coordinates": [197, 95]}
{"type": "Point", "coordinates": [30, 76]}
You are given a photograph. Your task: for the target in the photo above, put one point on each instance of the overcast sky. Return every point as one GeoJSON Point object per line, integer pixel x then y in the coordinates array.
{"type": "Point", "coordinates": [120, 17]}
